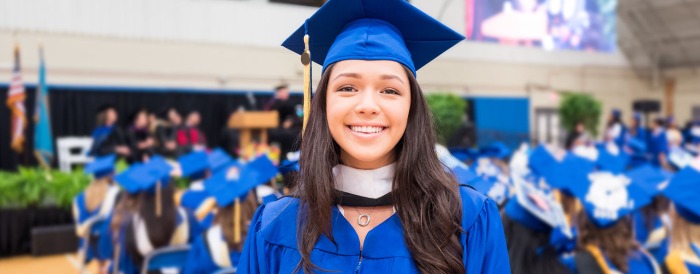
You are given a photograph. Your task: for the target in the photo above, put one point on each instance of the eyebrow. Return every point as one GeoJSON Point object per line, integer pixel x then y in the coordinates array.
{"type": "Point", "coordinates": [358, 76]}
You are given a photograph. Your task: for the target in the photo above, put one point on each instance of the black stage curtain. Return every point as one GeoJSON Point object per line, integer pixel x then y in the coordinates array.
{"type": "Point", "coordinates": [16, 227]}
{"type": "Point", "coordinates": [73, 110]}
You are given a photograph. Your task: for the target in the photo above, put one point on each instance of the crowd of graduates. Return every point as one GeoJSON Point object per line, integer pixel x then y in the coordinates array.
{"type": "Point", "coordinates": [627, 204]}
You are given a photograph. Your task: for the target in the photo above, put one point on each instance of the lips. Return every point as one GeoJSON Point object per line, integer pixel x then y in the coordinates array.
{"type": "Point", "coordinates": [367, 129]}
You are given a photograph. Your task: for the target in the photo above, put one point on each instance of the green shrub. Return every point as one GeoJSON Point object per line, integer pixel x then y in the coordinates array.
{"type": "Point", "coordinates": [579, 107]}
{"type": "Point", "coordinates": [448, 110]}
{"type": "Point", "coordinates": [40, 187]}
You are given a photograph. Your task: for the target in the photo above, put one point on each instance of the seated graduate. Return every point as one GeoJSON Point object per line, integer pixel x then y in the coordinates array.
{"type": "Point", "coordinates": [373, 196]}
{"type": "Point", "coordinates": [536, 229]}
{"type": "Point", "coordinates": [684, 248]}
{"type": "Point", "coordinates": [233, 188]}
{"type": "Point", "coordinates": [157, 222]}
{"type": "Point", "coordinates": [606, 242]}
{"type": "Point", "coordinates": [650, 229]}
{"type": "Point", "coordinates": [198, 166]}
{"type": "Point", "coordinates": [116, 221]}
{"type": "Point", "coordinates": [92, 207]}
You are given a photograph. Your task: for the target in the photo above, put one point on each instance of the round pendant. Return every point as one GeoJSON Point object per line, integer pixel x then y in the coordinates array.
{"type": "Point", "coordinates": [366, 218]}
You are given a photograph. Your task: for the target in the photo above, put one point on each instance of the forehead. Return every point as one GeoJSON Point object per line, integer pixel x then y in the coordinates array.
{"type": "Point", "coordinates": [369, 68]}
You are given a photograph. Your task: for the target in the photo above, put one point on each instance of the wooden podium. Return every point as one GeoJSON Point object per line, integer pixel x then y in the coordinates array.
{"type": "Point", "coordinates": [250, 121]}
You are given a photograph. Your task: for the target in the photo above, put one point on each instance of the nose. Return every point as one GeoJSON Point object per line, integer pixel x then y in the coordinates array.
{"type": "Point", "coordinates": [368, 104]}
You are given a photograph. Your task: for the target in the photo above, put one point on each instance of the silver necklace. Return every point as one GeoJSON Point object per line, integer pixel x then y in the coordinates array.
{"type": "Point", "coordinates": [364, 219]}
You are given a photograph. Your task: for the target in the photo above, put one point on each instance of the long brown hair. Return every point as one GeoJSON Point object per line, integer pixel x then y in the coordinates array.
{"type": "Point", "coordinates": [224, 217]}
{"type": "Point", "coordinates": [616, 242]}
{"type": "Point", "coordinates": [160, 229]}
{"type": "Point", "coordinates": [426, 198]}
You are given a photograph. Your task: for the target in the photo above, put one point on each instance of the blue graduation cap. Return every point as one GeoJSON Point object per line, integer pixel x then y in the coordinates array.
{"type": "Point", "coordinates": [612, 159]}
{"type": "Point", "coordinates": [536, 209]}
{"type": "Point", "coordinates": [683, 190]}
{"type": "Point", "coordinates": [132, 179]}
{"type": "Point", "coordinates": [194, 164]}
{"type": "Point", "coordinates": [495, 150]}
{"type": "Point", "coordinates": [486, 168]}
{"type": "Point", "coordinates": [568, 174]}
{"type": "Point", "coordinates": [160, 168]}
{"type": "Point", "coordinates": [391, 30]}
{"type": "Point", "coordinates": [608, 197]}
{"type": "Point", "coordinates": [541, 159]}
{"type": "Point", "coordinates": [650, 178]}
{"type": "Point", "coordinates": [101, 167]}
{"type": "Point", "coordinates": [219, 159]}
{"type": "Point", "coordinates": [291, 164]}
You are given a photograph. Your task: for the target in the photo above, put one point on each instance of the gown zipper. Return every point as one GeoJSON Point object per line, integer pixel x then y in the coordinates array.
{"type": "Point", "coordinates": [359, 263]}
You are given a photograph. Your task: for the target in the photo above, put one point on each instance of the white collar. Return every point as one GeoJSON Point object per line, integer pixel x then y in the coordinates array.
{"type": "Point", "coordinates": [373, 183]}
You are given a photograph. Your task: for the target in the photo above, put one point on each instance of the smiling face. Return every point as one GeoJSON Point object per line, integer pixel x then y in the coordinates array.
{"type": "Point", "coordinates": [367, 110]}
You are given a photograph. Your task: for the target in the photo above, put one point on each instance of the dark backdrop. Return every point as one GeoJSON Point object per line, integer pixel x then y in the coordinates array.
{"type": "Point", "coordinates": [73, 110]}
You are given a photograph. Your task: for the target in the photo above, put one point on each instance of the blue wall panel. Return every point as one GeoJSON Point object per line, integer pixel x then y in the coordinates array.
{"type": "Point", "coordinates": [504, 119]}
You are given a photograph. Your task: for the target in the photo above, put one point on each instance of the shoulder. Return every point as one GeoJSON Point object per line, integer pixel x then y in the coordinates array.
{"type": "Point", "coordinates": [474, 204]}
{"type": "Point", "coordinates": [276, 222]}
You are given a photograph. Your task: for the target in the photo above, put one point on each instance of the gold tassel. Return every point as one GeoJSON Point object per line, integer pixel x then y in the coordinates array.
{"type": "Point", "coordinates": [204, 208]}
{"type": "Point", "coordinates": [306, 61]}
{"type": "Point", "coordinates": [158, 210]}
{"type": "Point", "coordinates": [237, 222]}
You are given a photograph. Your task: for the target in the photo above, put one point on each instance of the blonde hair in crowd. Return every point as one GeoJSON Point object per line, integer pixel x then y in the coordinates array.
{"type": "Point", "coordinates": [683, 233]}
{"type": "Point", "coordinates": [95, 193]}
{"type": "Point", "coordinates": [224, 217]}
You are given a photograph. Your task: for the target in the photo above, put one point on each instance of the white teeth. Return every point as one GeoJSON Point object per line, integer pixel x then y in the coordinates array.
{"type": "Point", "coordinates": [366, 129]}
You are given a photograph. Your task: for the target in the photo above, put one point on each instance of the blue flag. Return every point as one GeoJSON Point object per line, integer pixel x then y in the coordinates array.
{"type": "Point", "coordinates": [43, 139]}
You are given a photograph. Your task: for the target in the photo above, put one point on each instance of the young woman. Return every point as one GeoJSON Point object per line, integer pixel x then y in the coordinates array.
{"type": "Point", "coordinates": [373, 196]}
{"type": "Point", "coordinates": [92, 207]}
{"type": "Point", "coordinates": [156, 221]}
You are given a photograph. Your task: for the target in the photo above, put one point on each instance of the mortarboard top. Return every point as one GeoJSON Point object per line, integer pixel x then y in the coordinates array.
{"type": "Point", "coordinates": [291, 164]}
{"type": "Point", "coordinates": [651, 179]}
{"type": "Point", "coordinates": [391, 30]}
{"type": "Point", "coordinates": [679, 157]}
{"type": "Point", "coordinates": [235, 182]}
{"type": "Point", "coordinates": [133, 179]}
{"type": "Point", "coordinates": [495, 150]}
{"type": "Point", "coordinates": [683, 190]}
{"type": "Point", "coordinates": [608, 197]}
{"type": "Point", "coordinates": [612, 159]}
{"type": "Point", "coordinates": [543, 158]}
{"type": "Point", "coordinates": [193, 164]}
{"type": "Point", "coordinates": [102, 166]}
{"type": "Point", "coordinates": [159, 170]}
{"type": "Point", "coordinates": [536, 209]}
{"type": "Point", "coordinates": [219, 159]}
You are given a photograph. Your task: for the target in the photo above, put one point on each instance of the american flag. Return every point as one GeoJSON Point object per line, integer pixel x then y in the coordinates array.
{"type": "Point", "coordinates": [15, 101]}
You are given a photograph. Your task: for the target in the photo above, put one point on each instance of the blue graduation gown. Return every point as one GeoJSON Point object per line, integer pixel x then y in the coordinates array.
{"type": "Point", "coordinates": [658, 249]}
{"type": "Point", "coordinates": [657, 145]}
{"type": "Point", "coordinates": [126, 264]}
{"type": "Point", "coordinates": [200, 259]}
{"type": "Point", "coordinates": [271, 247]}
{"type": "Point", "coordinates": [82, 215]}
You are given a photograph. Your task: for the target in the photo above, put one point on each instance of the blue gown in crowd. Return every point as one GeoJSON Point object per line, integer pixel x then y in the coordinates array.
{"type": "Point", "coordinates": [209, 253]}
{"type": "Point", "coordinates": [657, 145]}
{"type": "Point", "coordinates": [271, 246]}
{"type": "Point", "coordinates": [655, 240]}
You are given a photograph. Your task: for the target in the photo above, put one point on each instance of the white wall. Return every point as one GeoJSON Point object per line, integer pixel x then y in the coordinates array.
{"type": "Point", "coordinates": [235, 45]}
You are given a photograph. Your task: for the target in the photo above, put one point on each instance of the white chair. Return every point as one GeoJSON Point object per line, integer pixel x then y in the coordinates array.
{"type": "Point", "coordinates": [73, 150]}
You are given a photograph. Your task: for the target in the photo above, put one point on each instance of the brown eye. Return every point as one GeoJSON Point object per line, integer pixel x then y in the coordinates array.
{"type": "Point", "coordinates": [391, 91]}
{"type": "Point", "coordinates": [347, 89]}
